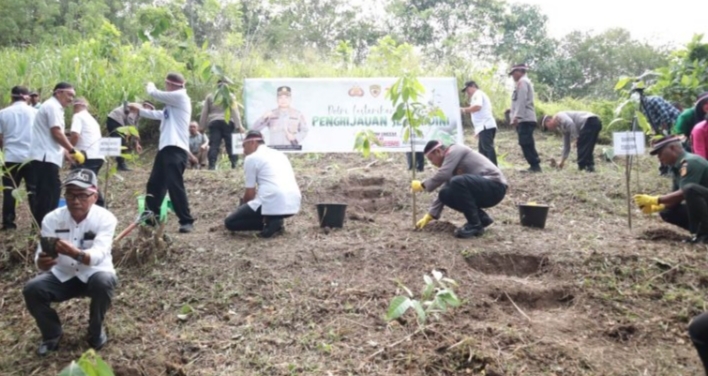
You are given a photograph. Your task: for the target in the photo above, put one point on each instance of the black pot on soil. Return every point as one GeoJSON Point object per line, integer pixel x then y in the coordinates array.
{"type": "Point", "coordinates": [331, 215]}
{"type": "Point", "coordinates": [533, 215]}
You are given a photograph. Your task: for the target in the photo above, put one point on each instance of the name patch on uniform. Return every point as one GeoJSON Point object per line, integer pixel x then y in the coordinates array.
{"type": "Point", "coordinates": [684, 169]}
{"type": "Point", "coordinates": [61, 231]}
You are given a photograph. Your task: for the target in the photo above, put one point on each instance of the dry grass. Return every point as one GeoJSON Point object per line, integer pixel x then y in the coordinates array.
{"type": "Point", "coordinates": [585, 296]}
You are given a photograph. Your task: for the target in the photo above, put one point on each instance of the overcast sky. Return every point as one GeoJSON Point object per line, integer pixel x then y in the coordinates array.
{"type": "Point", "coordinates": [673, 21]}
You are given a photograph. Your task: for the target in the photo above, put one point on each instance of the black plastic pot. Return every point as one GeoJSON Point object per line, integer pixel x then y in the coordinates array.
{"type": "Point", "coordinates": [331, 215]}
{"type": "Point", "coordinates": [533, 215]}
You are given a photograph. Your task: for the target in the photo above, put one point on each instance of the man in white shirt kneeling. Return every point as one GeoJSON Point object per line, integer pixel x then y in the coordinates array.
{"type": "Point", "coordinates": [277, 196]}
{"type": "Point", "coordinates": [75, 255]}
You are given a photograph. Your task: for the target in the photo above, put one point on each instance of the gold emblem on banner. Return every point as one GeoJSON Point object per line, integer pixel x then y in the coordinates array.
{"type": "Point", "coordinates": [356, 91]}
{"type": "Point", "coordinates": [375, 90]}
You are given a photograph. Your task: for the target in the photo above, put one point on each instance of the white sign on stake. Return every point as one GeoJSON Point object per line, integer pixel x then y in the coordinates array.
{"type": "Point", "coordinates": [628, 143]}
{"type": "Point", "coordinates": [110, 147]}
{"type": "Point", "coordinates": [237, 143]}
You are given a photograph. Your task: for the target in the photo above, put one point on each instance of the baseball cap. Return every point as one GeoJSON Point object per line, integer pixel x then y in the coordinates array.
{"type": "Point", "coordinates": [660, 143]}
{"type": "Point", "coordinates": [284, 90]}
{"type": "Point", "coordinates": [82, 178]}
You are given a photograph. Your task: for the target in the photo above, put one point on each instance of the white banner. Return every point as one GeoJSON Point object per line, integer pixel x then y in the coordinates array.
{"type": "Point", "coordinates": [323, 115]}
{"type": "Point", "coordinates": [110, 147]}
{"type": "Point", "coordinates": [628, 143]}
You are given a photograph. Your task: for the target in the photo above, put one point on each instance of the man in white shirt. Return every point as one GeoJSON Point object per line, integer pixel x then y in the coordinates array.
{"type": "Point", "coordinates": [86, 136]}
{"type": "Point", "coordinates": [49, 149]}
{"type": "Point", "coordinates": [277, 195]}
{"type": "Point", "coordinates": [15, 140]}
{"type": "Point", "coordinates": [485, 127]}
{"type": "Point", "coordinates": [75, 256]}
{"type": "Point", "coordinates": [172, 157]}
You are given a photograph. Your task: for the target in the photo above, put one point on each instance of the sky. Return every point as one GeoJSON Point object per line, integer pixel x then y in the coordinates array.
{"type": "Point", "coordinates": [673, 21]}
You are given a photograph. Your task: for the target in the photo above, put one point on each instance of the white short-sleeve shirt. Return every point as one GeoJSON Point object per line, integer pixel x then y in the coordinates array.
{"type": "Point", "coordinates": [89, 134]}
{"type": "Point", "coordinates": [277, 192]}
{"type": "Point", "coordinates": [482, 119]}
{"type": "Point", "coordinates": [16, 128]}
{"type": "Point", "coordinates": [44, 147]}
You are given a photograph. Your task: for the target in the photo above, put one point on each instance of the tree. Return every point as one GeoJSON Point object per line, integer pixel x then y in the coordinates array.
{"type": "Point", "coordinates": [523, 37]}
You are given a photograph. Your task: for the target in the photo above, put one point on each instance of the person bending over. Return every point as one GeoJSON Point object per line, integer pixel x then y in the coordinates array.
{"type": "Point", "coordinates": [271, 194]}
{"type": "Point", "coordinates": [471, 182]}
{"type": "Point", "coordinates": [576, 125]}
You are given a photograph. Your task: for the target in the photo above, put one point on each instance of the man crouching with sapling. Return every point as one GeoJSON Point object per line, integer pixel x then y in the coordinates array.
{"type": "Point", "coordinates": [75, 257]}
{"type": "Point", "coordinates": [471, 183]}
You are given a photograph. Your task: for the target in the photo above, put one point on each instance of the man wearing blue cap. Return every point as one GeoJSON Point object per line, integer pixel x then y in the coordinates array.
{"type": "Point", "coordinates": [690, 173]}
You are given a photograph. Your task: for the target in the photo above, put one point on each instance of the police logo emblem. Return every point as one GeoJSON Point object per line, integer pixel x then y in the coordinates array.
{"type": "Point", "coordinates": [375, 90]}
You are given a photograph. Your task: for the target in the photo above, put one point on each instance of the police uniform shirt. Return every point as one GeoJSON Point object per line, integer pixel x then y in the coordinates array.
{"type": "Point", "coordinates": [94, 235]}
{"type": "Point", "coordinates": [280, 122]}
{"type": "Point", "coordinates": [174, 118]}
{"type": "Point", "coordinates": [119, 116]}
{"type": "Point", "coordinates": [522, 104]}
{"type": "Point", "coordinates": [689, 169]}
{"type": "Point", "coordinates": [16, 128]}
{"type": "Point", "coordinates": [44, 147]}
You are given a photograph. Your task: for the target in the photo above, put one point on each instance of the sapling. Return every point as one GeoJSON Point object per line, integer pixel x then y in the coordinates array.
{"type": "Point", "coordinates": [90, 363]}
{"type": "Point", "coordinates": [436, 297]}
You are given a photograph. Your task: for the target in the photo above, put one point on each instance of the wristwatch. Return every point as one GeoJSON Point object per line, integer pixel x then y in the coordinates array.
{"type": "Point", "coordinates": [80, 257]}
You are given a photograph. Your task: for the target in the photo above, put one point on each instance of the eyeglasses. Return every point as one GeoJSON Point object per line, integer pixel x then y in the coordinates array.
{"type": "Point", "coordinates": [78, 196]}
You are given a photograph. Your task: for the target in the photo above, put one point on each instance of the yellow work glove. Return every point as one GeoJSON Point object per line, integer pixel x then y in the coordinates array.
{"type": "Point", "coordinates": [424, 221]}
{"type": "Point", "coordinates": [646, 200]}
{"type": "Point", "coordinates": [650, 209]}
{"type": "Point", "coordinates": [417, 186]}
{"type": "Point", "coordinates": [78, 156]}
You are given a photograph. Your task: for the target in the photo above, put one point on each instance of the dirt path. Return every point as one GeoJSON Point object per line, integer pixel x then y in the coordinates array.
{"type": "Point", "coordinates": [585, 296]}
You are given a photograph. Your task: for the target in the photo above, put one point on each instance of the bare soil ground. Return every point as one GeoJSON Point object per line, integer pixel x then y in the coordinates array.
{"type": "Point", "coordinates": [585, 296]}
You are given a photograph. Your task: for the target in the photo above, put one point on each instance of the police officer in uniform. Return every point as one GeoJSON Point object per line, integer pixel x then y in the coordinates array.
{"type": "Point", "coordinates": [690, 185]}
{"type": "Point", "coordinates": [286, 125]}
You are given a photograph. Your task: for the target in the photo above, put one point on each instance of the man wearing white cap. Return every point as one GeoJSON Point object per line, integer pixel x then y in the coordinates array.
{"type": "Point", "coordinates": [523, 115]}
{"type": "Point", "coordinates": [75, 254]}
{"type": "Point", "coordinates": [86, 136]}
{"type": "Point", "coordinates": [172, 158]}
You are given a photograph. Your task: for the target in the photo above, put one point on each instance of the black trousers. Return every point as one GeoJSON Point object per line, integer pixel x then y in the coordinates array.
{"type": "Point", "coordinates": [469, 194]}
{"type": "Point", "coordinates": [47, 189]}
{"type": "Point", "coordinates": [221, 130]}
{"type": "Point", "coordinates": [486, 144]}
{"type": "Point", "coordinates": [677, 216]}
{"type": "Point", "coordinates": [698, 331]}
{"type": "Point", "coordinates": [112, 127]}
{"type": "Point", "coordinates": [528, 145]}
{"type": "Point", "coordinates": [419, 160]}
{"type": "Point", "coordinates": [95, 166]}
{"type": "Point", "coordinates": [696, 197]}
{"type": "Point", "coordinates": [246, 219]}
{"type": "Point", "coordinates": [45, 289]}
{"type": "Point", "coordinates": [166, 176]}
{"type": "Point", "coordinates": [15, 173]}
{"type": "Point", "coordinates": [586, 143]}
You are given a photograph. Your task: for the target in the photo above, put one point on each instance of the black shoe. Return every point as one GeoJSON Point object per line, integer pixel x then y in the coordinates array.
{"type": "Point", "coordinates": [48, 346]}
{"type": "Point", "coordinates": [186, 228]}
{"type": "Point", "coordinates": [9, 226]}
{"type": "Point", "coordinates": [98, 343]}
{"type": "Point", "coordinates": [273, 227]}
{"type": "Point", "coordinates": [212, 167]}
{"type": "Point", "coordinates": [486, 221]}
{"type": "Point", "coordinates": [532, 170]}
{"type": "Point", "coordinates": [697, 239]}
{"type": "Point", "coordinates": [123, 168]}
{"type": "Point", "coordinates": [468, 231]}
{"type": "Point", "coordinates": [590, 169]}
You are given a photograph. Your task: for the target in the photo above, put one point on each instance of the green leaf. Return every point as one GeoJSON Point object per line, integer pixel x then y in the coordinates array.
{"type": "Point", "coordinates": [186, 309]}
{"type": "Point", "coordinates": [103, 368]}
{"type": "Point", "coordinates": [419, 311]}
{"type": "Point", "coordinates": [449, 297]}
{"type": "Point", "coordinates": [427, 279]}
{"type": "Point", "coordinates": [406, 134]}
{"type": "Point", "coordinates": [399, 305]}
{"type": "Point", "coordinates": [17, 194]}
{"type": "Point", "coordinates": [622, 83]}
{"type": "Point", "coordinates": [644, 124]}
{"type": "Point", "coordinates": [428, 290]}
{"type": "Point", "coordinates": [72, 369]}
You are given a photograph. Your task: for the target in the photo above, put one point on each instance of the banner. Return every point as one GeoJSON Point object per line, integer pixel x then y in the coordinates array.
{"type": "Point", "coordinates": [323, 115]}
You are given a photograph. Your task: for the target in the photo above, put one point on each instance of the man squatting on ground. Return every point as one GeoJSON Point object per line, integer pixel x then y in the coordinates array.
{"type": "Point", "coordinates": [690, 174]}
{"type": "Point", "coordinates": [471, 183]}
{"type": "Point", "coordinates": [49, 149]}
{"type": "Point", "coordinates": [15, 141]}
{"type": "Point", "coordinates": [277, 195]}
{"type": "Point", "coordinates": [81, 266]}
{"type": "Point", "coordinates": [171, 159]}
{"type": "Point", "coordinates": [576, 125]}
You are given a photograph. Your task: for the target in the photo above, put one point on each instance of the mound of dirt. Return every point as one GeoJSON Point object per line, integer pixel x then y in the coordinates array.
{"type": "Point", "coordinates": [510, 264]}
{"type": "Point", "coordinates": [532, 299]}
{"type": "Point", "coordinates": [440, 226]}
{"type": "Point", "coordinates": [662, 234]}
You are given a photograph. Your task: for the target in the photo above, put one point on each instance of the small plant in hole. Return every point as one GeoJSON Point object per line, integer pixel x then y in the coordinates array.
{"type": "Point", "coordinates": [437, 297]}
{"type": "Point", "coordinates": [90, 363]}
